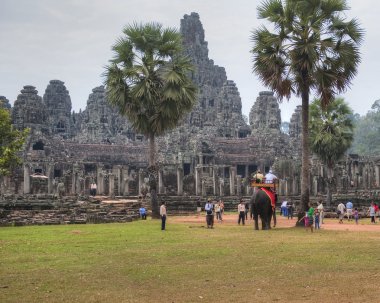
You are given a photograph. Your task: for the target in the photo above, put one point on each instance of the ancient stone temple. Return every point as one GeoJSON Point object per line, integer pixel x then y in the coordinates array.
{"type": "Point", "coordinates": [58, 106]}
{"type": "Point", "coordinates": [212, 153]}
{"type": "Point", "coordinates": [4, 102]}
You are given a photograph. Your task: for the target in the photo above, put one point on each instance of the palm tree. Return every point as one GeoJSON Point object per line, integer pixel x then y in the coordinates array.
{"type": "Point", "coordinates": [331, 134]}
{"type": "Point", "coordinates": [311, 49]}
{"type": "Point", "coordinates": [147, 80]}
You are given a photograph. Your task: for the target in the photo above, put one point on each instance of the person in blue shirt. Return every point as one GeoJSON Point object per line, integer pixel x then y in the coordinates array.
{"type": "Point", "coordinates": [142, 211]}
{"type": "Point", "coordinates": [349, 208]}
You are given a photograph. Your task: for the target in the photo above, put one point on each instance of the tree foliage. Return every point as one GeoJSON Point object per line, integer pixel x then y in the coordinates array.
{"type": "Point", "coordinates": [148, 81]}
{"type": "Point", "coordinates": [331, 130]}
{"type": "Point", "coordinates": [11, 142]}
{"type": "Point", "coordinates": [367, 130]}
{"type": "Point", "coordinates": [312, 48]}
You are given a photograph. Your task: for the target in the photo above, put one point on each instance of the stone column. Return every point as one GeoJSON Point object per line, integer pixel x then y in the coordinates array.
{"type": "Point", "coordinates": [315, 186]}
{"type": "Point", "coordinates": [232, 180]}
{"type": "Point", "coordinates": [116, 171]}
{"type": "Point", "coordinates": [179, 181]}
{"type": "Point", "coordinates": [50, 180]}
{"type": "Point", "coordinates": [238, 185]}
{"type": "Point", "coordinates": [221, 187]}
{"type": "Point", "coordinates": [100, 185]}
{"type": "Point", "coordinates": [377, 175]}
{"type": "Point", "coordinates": [99, 181]}
{"type": "Point", "coordinates": [26, 179]}
{"type": "Point", "coordinates": [125, 183]}
{"type": "Point", "coordinates": [74, 177]}
{"type": "Point", "coordinates": [111, 184]}
{"type": "Point", "coordinates": [197, 181]}
{"type": "Point", "coordinates": [141, 181]}
{"type": "Point", "coordinates": [161, 187]}
{"type": "Point", "coordinates": [214, 181]}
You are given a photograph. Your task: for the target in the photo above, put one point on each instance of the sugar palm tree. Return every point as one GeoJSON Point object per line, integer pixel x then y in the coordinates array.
{"type": "Point", "coordinates": [311, 48]}
{"type": "Point", "coordinates": [147, 80]}
{"type": "Point", "coordinates": [331, 134]}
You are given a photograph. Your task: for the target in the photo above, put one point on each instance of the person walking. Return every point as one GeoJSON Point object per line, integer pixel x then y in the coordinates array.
{"type": "Point", "coordinates": [246, 211]}
{"type": "Point", "coordinates": [356, 215]}
{"type": "Point", "coordinates": [340, 212]}
{"type": "Point", "coordinates": [199, 207]}
{"type": "Point", "coordinates": [349, 207]}
{"type": "Point", "coordinates": [372, 212]}
{"type": "Point", "coordinates": [217, 211]}
{"type": "Point", "coordinates": [241, 212]}
{"type": "Point", "coordinates": [321, 211]}
{"type": "Point", "coordinates": [209, 208]}
{"type": "Point", "coordinates": [316, 219]}
{"type": "Point", "coordinates": [290, 210]}
{"type": "Point", "coordinates": [221, 204]}
{"type": "Point", "coordinates": [163, 215]}
{"type": "Point", "coordinates": [142, 212]}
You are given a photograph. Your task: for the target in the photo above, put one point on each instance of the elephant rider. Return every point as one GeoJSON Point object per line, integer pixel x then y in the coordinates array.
{"type": "Point", "coordinates": [258, 177]}
{"type": "Point", "coordinates": [270, 177]}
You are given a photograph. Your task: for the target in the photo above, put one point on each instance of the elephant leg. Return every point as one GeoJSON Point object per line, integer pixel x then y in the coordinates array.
{"type": "Point", "coordinates": [274, 219]}
{"type": "Point", "coordinates": [263, 222]}
{"type": "Point", "coordinates": [256, 217]}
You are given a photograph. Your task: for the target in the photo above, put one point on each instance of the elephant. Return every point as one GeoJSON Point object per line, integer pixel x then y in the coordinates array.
{"type": "Point", "coordinates": [261, 206]}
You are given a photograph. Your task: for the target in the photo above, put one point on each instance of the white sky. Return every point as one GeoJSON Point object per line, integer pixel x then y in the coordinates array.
{"type": "Point", "coordinates": [70, 40]}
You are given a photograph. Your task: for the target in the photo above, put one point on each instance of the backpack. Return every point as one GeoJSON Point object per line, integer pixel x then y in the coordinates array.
{"type": "Point", "coordinates": [209, 211]}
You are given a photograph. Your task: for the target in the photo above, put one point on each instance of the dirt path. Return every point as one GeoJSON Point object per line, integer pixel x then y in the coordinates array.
{"type": "Point", "coordinates": [329, 224]}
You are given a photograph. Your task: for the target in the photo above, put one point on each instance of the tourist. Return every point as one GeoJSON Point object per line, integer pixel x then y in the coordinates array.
{"type": "Point", "coordinates": [217, 211]}
{"type": "Point", "coordinates": [258, 177]}
{"type": "Point", "coordinates": [221, 204]}
{"type": "Point", "coordinates": [316, 219]}
{"type": "Point", "coordinates": [321, 211]}
{"type": "Point", "coordinates": [349, 207]}
{"type": "Point", "coordinates": [209, 208]}
{"type": "Point", "coordinates": [241, 212]}
{"type": "Point", "coordinates": [163, 215]}
{"type": "Point", "coordinates": [142, 212]}
{"type": "Point", "coordinates": [376, 210]}
{"type": "Point", "coordinates": [310, 215]}
{"type": "Point", "coordinates": [290, 210]}
{"type": "Point", "coordinates": [199, 207]}
{"type": "Point", "coordinates": [372, 212]}
{"type": "Point", "coordinates": [284, 208]}
{"type": "Point", "coordinates": [340, 211]}
{"type": "Point", "coordinates": [246, 210]}
{"type": "Point", "coordinates": [270, 177]}
{"type": "Point", "coordinates": [356, 215]}
{"type": "Point", "coordinates": [93, 188]}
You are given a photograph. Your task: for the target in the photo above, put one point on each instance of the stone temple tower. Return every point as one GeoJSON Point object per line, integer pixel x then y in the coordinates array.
{"type": "Point", "coordinates": [28, 110]}
{"type": "Point", "coordinates": [219, 103]}
{"type": "Point", "coordinates": [265, 114]}
{"type": "Point", "coordinates": [58, 105]}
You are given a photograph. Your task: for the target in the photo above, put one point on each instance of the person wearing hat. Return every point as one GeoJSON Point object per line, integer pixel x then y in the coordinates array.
{"type": "Point", "coordinates": [270, 177]}
{"type": "Point", "coordinates": [241, 211]}
{"type": "Point", "coordinates": [209, 208]}
{"type": "Point", "coordinates": [258, 177]}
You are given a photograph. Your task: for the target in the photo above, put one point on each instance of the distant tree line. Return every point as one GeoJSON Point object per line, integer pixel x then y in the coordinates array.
{"type": "Point", "coordinates": [367, 132]}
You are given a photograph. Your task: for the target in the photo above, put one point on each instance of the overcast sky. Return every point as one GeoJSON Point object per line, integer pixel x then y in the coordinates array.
{"type": "Point", "coordinates": [70, 40]}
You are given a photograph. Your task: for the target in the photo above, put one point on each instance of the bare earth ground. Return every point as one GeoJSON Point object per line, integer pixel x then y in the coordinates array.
{"type": "Point", "coordinates": [282, 222]}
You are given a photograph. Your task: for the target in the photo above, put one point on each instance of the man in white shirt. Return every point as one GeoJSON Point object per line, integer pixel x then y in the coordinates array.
{"type": "Point", "coordinates": [163, 215]}
{"type": "Point", "coordinates": [241, 211]}
{"type": "Point", "coordinates": [341, 208]}
{"type": "Point", "coordinates": [270, 177]}
{"type": "Point", "coordinates": [321, 211]}
{"type": "Point", "coordinates": [209, 208]}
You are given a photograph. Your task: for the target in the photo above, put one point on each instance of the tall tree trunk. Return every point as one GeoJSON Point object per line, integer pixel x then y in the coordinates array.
{"type": "Point", "coordinates": [329, 184]}
{"type": "Point", "coordinates": [153, 176]}
{"type": "Point", "coordinates": [305, 177]}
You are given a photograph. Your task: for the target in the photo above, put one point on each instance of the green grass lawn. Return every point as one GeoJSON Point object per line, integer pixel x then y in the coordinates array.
{"type": "Point", "coordinates": [137, 262]}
